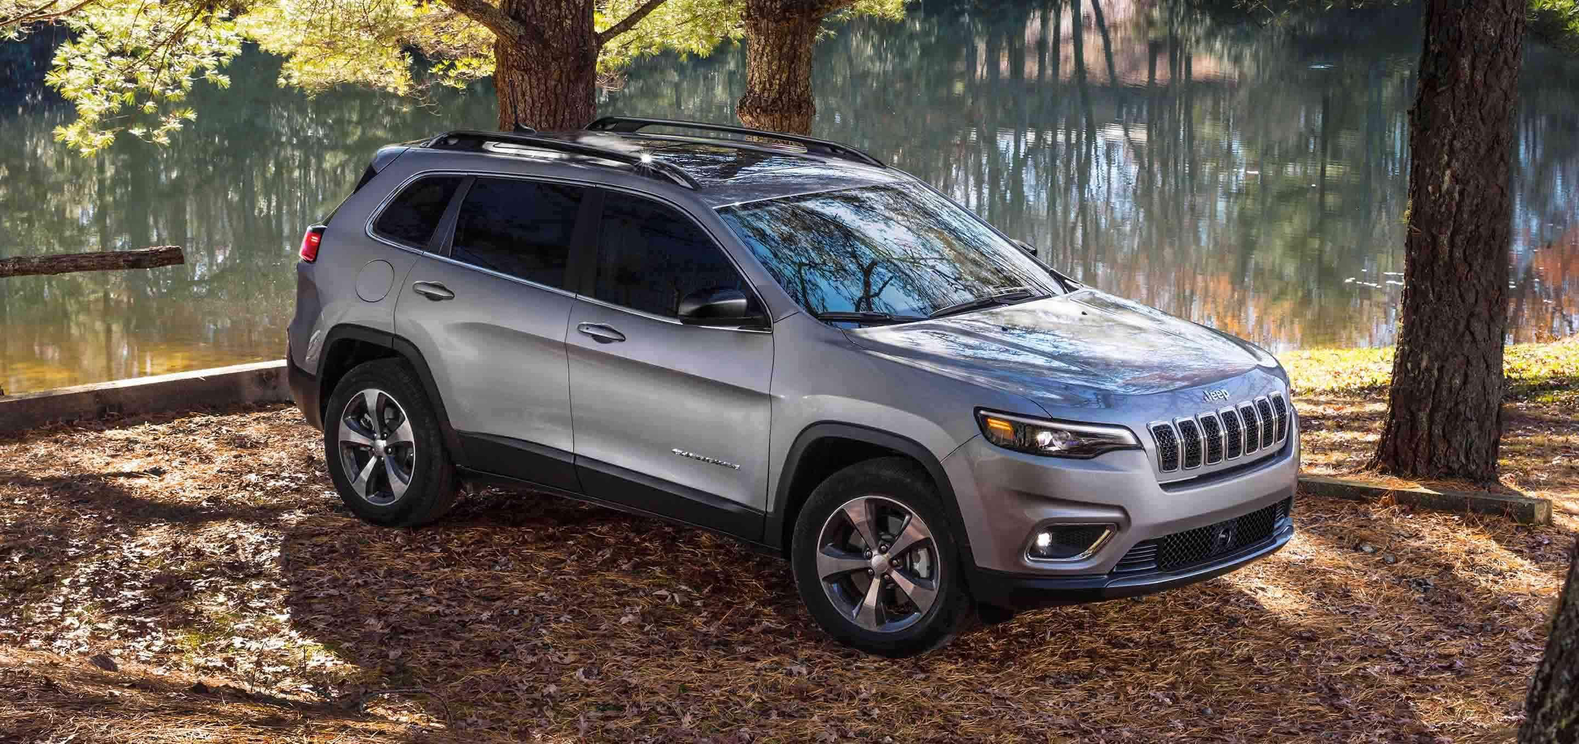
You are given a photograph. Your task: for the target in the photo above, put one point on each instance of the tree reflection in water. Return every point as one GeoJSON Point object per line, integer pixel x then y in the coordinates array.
{"type": "Point", "coordinates": [1234, 172]}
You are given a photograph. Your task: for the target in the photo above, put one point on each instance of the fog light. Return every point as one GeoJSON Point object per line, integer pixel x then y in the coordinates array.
{"type": "Point", "coordinates": [1065, 542]}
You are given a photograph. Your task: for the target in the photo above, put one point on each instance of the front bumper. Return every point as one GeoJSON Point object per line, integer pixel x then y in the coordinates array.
{"type": "Point", "coordinates": [1021, 592]}
{"type": "Point", "coordinates": [1004, 496]}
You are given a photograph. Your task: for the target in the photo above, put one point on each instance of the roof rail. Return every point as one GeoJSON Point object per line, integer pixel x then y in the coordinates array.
{"type": "Point", "coordinates": [628, 124]}
{"type": "Point", "coordinates": [643, 165]}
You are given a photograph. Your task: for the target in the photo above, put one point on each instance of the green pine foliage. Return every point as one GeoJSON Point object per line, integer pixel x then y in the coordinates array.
{"type": "Point", "coordinates": [133, 62]}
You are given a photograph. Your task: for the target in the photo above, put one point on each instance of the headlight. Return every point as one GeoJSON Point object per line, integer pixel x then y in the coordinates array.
{"type": "Point", "coordinates": [1053, 438]}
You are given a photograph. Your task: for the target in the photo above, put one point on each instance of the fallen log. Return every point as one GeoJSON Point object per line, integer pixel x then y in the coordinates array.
{"type": "Point", "coordinates": [142, 258]}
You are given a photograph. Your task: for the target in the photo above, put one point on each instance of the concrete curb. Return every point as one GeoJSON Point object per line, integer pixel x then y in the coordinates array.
{"type": "Point", "coordinates": [1522, 509]}
{"type": "Point", "coordinates": [259, 382]}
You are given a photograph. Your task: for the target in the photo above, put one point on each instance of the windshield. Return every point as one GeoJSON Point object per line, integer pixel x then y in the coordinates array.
{"type": "Point", "coordinates": [897, 249]}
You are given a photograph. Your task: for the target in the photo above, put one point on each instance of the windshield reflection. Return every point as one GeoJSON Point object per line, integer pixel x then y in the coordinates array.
{"type": "Point", "coordinates": [897, 249]}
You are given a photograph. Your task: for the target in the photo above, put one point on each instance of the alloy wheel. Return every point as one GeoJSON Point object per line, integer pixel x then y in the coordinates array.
{"type": "Point", "coordinates": [377, 450]}
{"type": "Point", "coordinates": [878, 564]}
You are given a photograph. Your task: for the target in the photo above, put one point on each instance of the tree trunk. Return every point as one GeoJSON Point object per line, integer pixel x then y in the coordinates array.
{"type": "Point", "coordinates": [547, 82]}
{"type": "Point", "coordinates": [144, 258]}
{"type": "Point", "coordinates": [1444, 411]}
{"type": "Point", "coordinates": [779, 39]}
{"type": "Point", "coordinates": [1551, 713]}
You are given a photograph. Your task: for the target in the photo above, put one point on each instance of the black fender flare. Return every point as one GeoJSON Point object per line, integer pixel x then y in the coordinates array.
{"type": "Point", "coordinates": [777, 518]}
{"type": "Point", "coordinates": [406, 350]}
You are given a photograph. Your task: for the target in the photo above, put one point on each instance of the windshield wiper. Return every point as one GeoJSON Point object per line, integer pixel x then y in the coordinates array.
{"type": "Point", "coordinates": [866, 317]}
{"type": "Point", "coordinates": [1000, 297]}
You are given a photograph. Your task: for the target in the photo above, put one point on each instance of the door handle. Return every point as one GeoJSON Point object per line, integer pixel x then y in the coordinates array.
{"type": "Point", "coordinates": [601, 333]}
{"type": "Point", "coordinates": [433, 291]}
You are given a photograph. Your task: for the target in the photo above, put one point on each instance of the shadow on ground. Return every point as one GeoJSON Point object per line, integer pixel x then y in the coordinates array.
{"type": "Point", "coordinates": [522, 615]}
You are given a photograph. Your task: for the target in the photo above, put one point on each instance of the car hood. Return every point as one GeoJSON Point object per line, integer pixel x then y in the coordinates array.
{"type": "Point", "coordinates": [1084, 349]}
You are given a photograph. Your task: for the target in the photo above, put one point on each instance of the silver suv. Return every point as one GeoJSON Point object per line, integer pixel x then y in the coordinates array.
{"type": "Point", "coordinates": [782, 340]}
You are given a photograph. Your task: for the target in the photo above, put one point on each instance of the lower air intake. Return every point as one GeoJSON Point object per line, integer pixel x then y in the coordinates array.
{"type": "Point", "coordinates": [1204, 544]}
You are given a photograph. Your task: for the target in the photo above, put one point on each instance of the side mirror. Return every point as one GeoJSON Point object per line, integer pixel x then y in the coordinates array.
{"type": "Point", "coordinates": [1030, 250]}
{"type": "Point", "coordinates": [718, 306]}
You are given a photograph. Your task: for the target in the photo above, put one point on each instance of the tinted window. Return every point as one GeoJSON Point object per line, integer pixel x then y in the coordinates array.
{"type": "Point", "coordinates": [411, 218]}
{"type": "Point", "coordinates": [650, 256]}
{"type": "Point", "coordinates": [519, 228]}
{"type": "Point", "coordinates": [895, 249]}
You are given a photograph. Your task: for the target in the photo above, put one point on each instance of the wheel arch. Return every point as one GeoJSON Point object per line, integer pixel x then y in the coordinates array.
{"type": "Point", "coordinates": [348, 345]}
{"type": "Point", "coordinates": [824, 448]}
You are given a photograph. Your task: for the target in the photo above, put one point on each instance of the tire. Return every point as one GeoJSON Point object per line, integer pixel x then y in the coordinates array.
{"type": "Point", "coordinates": [413, 482]}
{"type": "Point", "coordinates": [828, 543]}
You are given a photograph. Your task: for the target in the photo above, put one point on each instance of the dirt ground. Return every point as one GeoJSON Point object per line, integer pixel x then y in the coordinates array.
{"type": "Point", "coordinates": [193, 577]}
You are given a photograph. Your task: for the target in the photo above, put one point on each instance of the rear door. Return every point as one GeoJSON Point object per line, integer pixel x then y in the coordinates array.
{"type": "Point", "coordinates": [669, 418]}
{"type": "Point", "coordinates": [488, 311]}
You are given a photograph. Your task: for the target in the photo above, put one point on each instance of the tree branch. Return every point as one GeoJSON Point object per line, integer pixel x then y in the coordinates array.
{"type": "Point", "coordinates": [37, 15]}
{"type": "Point", "coordinates": [629, 22]}
{"type": "Point", "coordinates": [495, 20]}
{"type": "Point", "coordinates": [826, 8]}
{"type": "Point", "coordinates": [143, 258]}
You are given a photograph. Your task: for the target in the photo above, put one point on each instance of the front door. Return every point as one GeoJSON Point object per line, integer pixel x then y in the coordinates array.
{"type": "Point", "coordinates": [669, 418]}
{"type": "Point", "coordinates": [488, 313]}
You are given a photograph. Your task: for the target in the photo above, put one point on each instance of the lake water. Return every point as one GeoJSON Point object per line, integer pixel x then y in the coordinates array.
{"type": "Point", "coordinates": [1242, 173]}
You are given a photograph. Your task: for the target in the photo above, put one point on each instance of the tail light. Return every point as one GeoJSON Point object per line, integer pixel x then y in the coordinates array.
{"type": "Point", "coordinates": [310, 243]}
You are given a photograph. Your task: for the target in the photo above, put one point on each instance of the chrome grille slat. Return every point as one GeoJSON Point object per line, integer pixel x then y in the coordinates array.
{"type": "Point", "coordinates": [1268, 426]}
{"type": "Point", "coordinates": [1190, 440]}
{"type": "Point", "coordinates": [1247, 412]}
{"type": "Point", "coordinates": [1212, 430]}
{"type": "Point", "coordinates": [1233, 433]}
{"type": "Point", "coordinates": [1167, 446]}
{"type": "Point", "coordinates": [1280, 409]}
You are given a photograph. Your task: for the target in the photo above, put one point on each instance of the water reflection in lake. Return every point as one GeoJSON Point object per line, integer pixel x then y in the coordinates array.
{"type": "Point", "coordinates": [1243, 174]}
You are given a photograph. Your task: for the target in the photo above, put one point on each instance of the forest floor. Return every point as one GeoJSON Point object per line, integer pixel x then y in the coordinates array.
{"type": "Point", "coordinates": [188, 577]}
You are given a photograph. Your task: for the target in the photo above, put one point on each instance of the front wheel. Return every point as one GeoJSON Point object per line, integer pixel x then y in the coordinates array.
{"type": "Point", "coordinates": [875, 561]}
{"type": "Point", "coordinates": [384, 448]}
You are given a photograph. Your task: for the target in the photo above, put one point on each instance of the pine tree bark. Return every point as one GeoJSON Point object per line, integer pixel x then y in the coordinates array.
{"type": "Point", "coordinates": [1551, 714]}
{"type": "Point", "coordinates": [1444, 414]}
{"type": "Point", "coordinates": [546, 80]}
{"type": "Point", "coordinates": [780, 35]}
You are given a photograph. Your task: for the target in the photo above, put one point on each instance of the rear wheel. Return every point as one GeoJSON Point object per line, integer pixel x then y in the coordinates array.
{"type": "Point", "coordinates": [384, 448]}
{"type": "Point", "coordinates": [875, 562]}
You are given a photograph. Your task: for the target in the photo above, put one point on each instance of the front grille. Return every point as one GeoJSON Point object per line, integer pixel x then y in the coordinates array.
{"type": "Point", "coordinates": [1212, 437]}
{"type": "Point", "coordinates": [1190, 434]}
{"type": "Point", "coordinates": [1167, 447]}
{"type": "Point", "coordinates": [1233, 433]}
{"type": "Point", "coordinates": [1204, 544]}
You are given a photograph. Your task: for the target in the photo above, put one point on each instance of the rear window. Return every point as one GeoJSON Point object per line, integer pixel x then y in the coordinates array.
{"type": "Point", "coordinates": [413, 216]}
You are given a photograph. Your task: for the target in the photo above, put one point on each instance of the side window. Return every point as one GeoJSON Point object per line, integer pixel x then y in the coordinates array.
{"type": "Point", "coordinates": [413, 215]}
{"type": "Point", "coordinates": [519, 228]}
{"type": "Point", "coordinates": [650, 256]}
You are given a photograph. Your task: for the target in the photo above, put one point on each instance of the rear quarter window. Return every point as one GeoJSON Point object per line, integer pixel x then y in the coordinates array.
{"type": "Point", "coordinates": [415, 212]}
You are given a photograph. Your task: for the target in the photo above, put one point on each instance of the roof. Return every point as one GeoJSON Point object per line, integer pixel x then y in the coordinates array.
{"type": "Point", "coordinates": [730, 171]}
